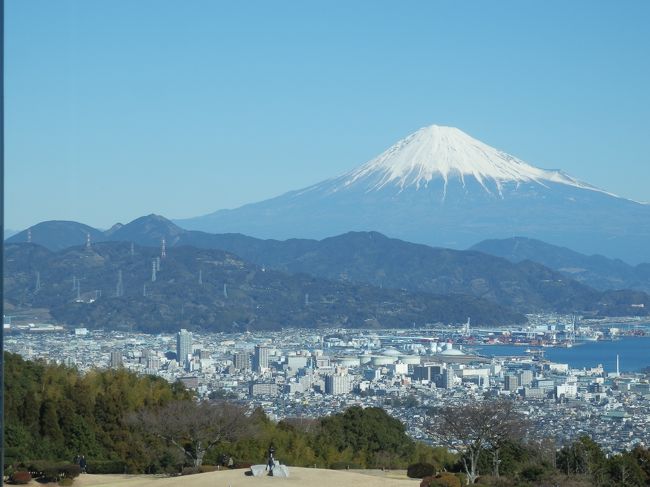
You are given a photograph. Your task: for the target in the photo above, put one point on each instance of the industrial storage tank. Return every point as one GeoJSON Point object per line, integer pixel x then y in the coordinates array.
{"type": "Point", "coordinates": [365, 358]}
{"type": "Point", "coordinates": [348, 361]}
{"type": "Point", "coordinates": [390, 352]}
{"type": "Point", "coordinates": [410, 359]}
{"type": "Point", "coordinates": [379, 360]}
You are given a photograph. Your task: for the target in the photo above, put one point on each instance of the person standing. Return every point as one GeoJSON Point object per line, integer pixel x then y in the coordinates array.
{"type": "Point", "coordinates": [271, 461]}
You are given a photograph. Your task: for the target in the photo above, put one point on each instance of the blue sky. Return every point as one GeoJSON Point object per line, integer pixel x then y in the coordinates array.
{"type": "Point", "coordinates": [116, 109]}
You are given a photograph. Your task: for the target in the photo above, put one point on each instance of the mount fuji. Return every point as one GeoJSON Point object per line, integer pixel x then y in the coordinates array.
{"type": "Point", "coordinates": [441, 187]}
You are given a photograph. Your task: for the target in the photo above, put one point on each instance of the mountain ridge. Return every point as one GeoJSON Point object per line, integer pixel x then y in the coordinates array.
{"type": "Point", "coordinates": [403, 199]}
{"type": "Point", "coordinates": [374, 259]}
{"type": "Point", "coordinates": [595, 270]}
{"type": "Point", "coordinates": [115, 287]}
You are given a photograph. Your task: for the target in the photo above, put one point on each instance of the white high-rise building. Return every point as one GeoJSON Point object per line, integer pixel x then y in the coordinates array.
{"type": "Point", "coordinates": [336, 384]}
{"type": "Point", "coordinates": [261, 358]}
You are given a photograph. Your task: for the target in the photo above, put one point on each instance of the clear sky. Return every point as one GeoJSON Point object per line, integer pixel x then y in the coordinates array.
{"type": "Point", "coordinates": [119, 108]}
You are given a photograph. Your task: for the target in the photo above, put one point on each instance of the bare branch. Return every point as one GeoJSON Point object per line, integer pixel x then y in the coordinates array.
{"type": "Point", "coordinates": [193, 428]}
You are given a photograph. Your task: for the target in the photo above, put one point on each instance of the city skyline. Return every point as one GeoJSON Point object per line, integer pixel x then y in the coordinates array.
{"type": "Point", "coordinates": [126, 109]}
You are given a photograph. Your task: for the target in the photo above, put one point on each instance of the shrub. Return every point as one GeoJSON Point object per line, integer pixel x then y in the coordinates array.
{"type": "Point", "coordinates": [207, 468]}
{"type": "Point", "coordinates": [190, 470]}
{"type": "Point", "coordinates": [50, 473]}
{"type": "Point", "coordinates": [445, 479]}
{"type": "Point", "coordinates": [426, 481]}
{"type": "Point", "coordinates": [70, 470]}
{"type": "Point", "coordinates": [20, 477]}
{"type": "Point", "coordinates": [532, 473]}
{"type": "Point", "coordinates": [37, 467]}
{"type": "Point", "coordinates": [420, 470]}
{"type": "Point", "coordinates": [106, 466]}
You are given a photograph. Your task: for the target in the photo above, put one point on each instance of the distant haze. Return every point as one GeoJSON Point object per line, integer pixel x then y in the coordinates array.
{"type": "Point", "coordinates": [442, 187]}
{"type": "Point", "coordinates": [119, 109]}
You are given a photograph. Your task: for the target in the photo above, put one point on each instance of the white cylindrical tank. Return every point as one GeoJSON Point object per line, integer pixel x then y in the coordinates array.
{"type": "Point", "coordinates": [365, 358]}
{"type": "Point", "coordinates": [379, 360]}
{"type": "Point", "coordinates": [410, 359]}
{"type": "Point", "coordinates": [348, 361]}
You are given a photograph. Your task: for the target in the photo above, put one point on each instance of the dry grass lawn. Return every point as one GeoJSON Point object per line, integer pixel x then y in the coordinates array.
{"type": "Point", "coordinates": [308, 477]}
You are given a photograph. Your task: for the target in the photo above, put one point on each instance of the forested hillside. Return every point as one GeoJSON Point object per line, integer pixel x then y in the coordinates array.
{"type": "Point", "coordinates": [121, 421]}
{"type": "Point", "coordinates": [116, 285]}
{"type": "Point", "coordinates": [141, 424]}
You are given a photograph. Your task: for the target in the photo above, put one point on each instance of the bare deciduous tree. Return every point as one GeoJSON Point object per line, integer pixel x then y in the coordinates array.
{"type": "Point", "coordinates": [505, 425]}
{"type": "Point", "coordinates": [193, 428]}
{"type": "Point", "coordinates": [476, 427]}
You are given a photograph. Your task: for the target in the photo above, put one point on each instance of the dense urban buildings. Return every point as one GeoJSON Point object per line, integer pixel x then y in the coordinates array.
{"type": "Point", "coordinates": [312, 373]}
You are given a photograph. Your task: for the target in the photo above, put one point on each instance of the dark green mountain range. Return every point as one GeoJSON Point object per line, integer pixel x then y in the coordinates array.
{"type": "Point", "coordinates": [375, 259]}
{"type": "Point", "coordinates": [372, 258]}
{"type": "Point", "coordinates": [596, 271]}
{"type": "Point", "coordinates": [212, 290]}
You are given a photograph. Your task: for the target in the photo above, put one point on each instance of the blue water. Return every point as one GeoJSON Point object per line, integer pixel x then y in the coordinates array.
{"type": "Point", "coordinates": [634, 353]}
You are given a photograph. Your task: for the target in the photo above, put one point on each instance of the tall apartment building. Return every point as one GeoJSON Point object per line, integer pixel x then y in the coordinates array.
{"type": "Point", "coordinates": [261, 358]}
{"type": "Point", "coordinates": [427, 372]}
{"type": "Point", "coordinates": [184, 348]}
{"type": "Point", "coordinates": [448, 376]}
{"type": "Point", "coordinates": [116, 358]}
{"type": "Point", "coordinates": [241, 360]}
{"type": "Point", "coordinates": [337, 384]}
{"type": "Point", "coordinates": [511, 382]}
{"type": "Point", "coordinates": [525, 378]}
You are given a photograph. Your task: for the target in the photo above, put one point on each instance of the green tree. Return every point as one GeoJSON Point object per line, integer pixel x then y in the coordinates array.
{"type": "Point", "coordinates": [583, 457]}
{"type": "Point", "coordinates": [49, 424]}
{"type": "Point", "coordinates": [624, 470]}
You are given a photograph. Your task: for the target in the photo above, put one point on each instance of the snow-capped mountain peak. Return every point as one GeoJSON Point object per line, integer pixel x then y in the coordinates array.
{"type": "Point", "coordinates": [446, 152]}
{"type": "Point", "coordinates": [441, 187]}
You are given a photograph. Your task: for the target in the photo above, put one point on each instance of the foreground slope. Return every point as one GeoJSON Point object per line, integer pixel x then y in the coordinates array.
{"type": "Point", "coordinates": [441, 187]}
{"type": "Point", "coordinates": [306, 477]}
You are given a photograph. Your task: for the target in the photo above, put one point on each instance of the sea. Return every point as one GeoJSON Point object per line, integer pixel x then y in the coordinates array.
{"type": "Point", "coordinates": [633, 353]}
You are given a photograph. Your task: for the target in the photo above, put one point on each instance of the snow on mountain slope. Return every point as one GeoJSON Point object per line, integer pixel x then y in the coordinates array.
{"type": "Point", "coordinates": [446, 152]}
{"type": "Point", "coordinates": [441, 187]}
